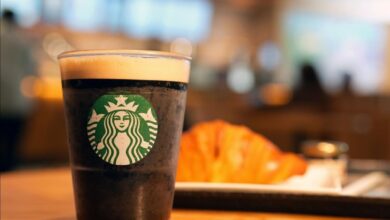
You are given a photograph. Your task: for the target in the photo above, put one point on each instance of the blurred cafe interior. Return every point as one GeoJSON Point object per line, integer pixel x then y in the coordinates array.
{"type": "Point", "coordinates": [290, 70]}
{"type": "Point", "coordinates": [297, 72]}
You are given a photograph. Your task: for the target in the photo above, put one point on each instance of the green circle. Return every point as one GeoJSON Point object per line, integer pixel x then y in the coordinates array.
{"type": "Point", "coordinates": [122, 128]}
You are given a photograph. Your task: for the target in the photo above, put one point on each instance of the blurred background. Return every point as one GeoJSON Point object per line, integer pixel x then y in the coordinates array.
{"type": "Point", "coordinates": [290, 70]}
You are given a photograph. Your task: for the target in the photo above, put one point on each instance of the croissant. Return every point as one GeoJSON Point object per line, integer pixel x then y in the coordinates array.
{"type": "Point", "coordinates": [217, 151]}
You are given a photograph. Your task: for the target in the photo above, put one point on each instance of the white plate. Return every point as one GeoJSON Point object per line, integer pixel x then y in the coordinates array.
{"type": "Point", "coordinates": [252, 188]}
{"type": "Point", "coordinates": [318, 179]}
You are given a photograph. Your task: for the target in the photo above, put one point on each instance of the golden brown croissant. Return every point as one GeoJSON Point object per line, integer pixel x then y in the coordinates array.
{"type": "Point", "coordinates": [217, 151]}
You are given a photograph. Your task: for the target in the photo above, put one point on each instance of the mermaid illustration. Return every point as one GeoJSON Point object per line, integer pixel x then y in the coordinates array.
{"type": "Point", "coordinates": [122, 141]}
{"type": "Point", "coordinates": [122, 132]}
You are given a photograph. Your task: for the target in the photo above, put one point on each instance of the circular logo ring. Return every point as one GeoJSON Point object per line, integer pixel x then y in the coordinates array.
{"type": "Point", "coordinates": [122, 128]}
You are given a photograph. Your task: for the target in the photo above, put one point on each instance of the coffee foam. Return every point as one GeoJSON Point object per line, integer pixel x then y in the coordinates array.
{"type": "Point", "coordinates": [132, 65]}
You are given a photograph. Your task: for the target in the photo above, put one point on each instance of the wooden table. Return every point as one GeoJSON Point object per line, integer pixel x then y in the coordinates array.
{"type": "Point", "coordinates": [47, 194]}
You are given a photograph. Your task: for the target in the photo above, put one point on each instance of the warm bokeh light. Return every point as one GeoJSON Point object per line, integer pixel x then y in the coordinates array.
{"type": "Point", "coordinates": [41, 88]}
{"type": "Point", "coordinates": [31, 86]}
{"type": "Point", "coordinates": [326, 147]}
{"type": "Point", "coordinates": [51, 88]}
{"type": "Point", "coordinates": [275, 94]}
{"type": "Point", "coordinates": [182, 46]}
{"type": "Point", "coordinates": [54, 43]}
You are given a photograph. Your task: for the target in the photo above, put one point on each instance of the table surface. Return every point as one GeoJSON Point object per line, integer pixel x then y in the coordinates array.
{"type": "Point", "coordinates": [47, 194]}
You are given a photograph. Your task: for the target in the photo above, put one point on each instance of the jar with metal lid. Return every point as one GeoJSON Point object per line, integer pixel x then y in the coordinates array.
{"type": "Point", "coordinates": [331, 155]}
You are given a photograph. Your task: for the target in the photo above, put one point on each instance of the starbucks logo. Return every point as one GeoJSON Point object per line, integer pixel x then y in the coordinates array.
{"type": "Point", "coordinates": [122, 128]}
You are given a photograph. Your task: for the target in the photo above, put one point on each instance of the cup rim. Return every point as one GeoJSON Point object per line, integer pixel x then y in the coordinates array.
{"type": "Point", "coordinates": [123, 52]}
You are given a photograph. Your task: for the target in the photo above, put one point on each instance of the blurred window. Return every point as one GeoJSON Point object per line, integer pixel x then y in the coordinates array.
{"type": "Point", "coordinates": [52, 11]}
{"type": "Point", "coordinates": [27, 11]}
{"type": "Point", "coordinates": [113, 10]}
{"type": "Point", "coordinates": [84, 15]}
{"type": "Point", "coordinates": [161, 19]}
{"type": "Point", "coordinates": [338, 46]}
{"type": "Point", "coordinates": [167, 19]}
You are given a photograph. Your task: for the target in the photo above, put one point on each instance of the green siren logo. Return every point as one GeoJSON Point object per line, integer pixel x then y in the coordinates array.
{"type": "Point", "coordinates": [122, 128]}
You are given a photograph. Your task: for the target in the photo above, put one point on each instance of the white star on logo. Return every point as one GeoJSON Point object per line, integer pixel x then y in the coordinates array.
{"type": "Point", "coordinates": [148, 116]}
{"type": "Point", "coordinates": [121, 100]}
{"type": "Point", "coordinates": [95, 117]}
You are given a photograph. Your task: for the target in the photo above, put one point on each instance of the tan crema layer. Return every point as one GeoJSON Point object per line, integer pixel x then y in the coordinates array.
{"type": "Point", "coordinates": [124, 64]}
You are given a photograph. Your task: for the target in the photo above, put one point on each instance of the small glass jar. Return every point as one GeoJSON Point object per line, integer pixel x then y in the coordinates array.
{"type": "Point", "coordinates": [329, 154]}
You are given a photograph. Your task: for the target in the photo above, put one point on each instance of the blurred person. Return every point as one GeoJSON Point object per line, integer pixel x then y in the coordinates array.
{"type": "Point", "coordinates": [346, 88]}
{"type": "Point", "coordinates": [16, 63]}
{"type": "Point", "coordinates": [310, 92]}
